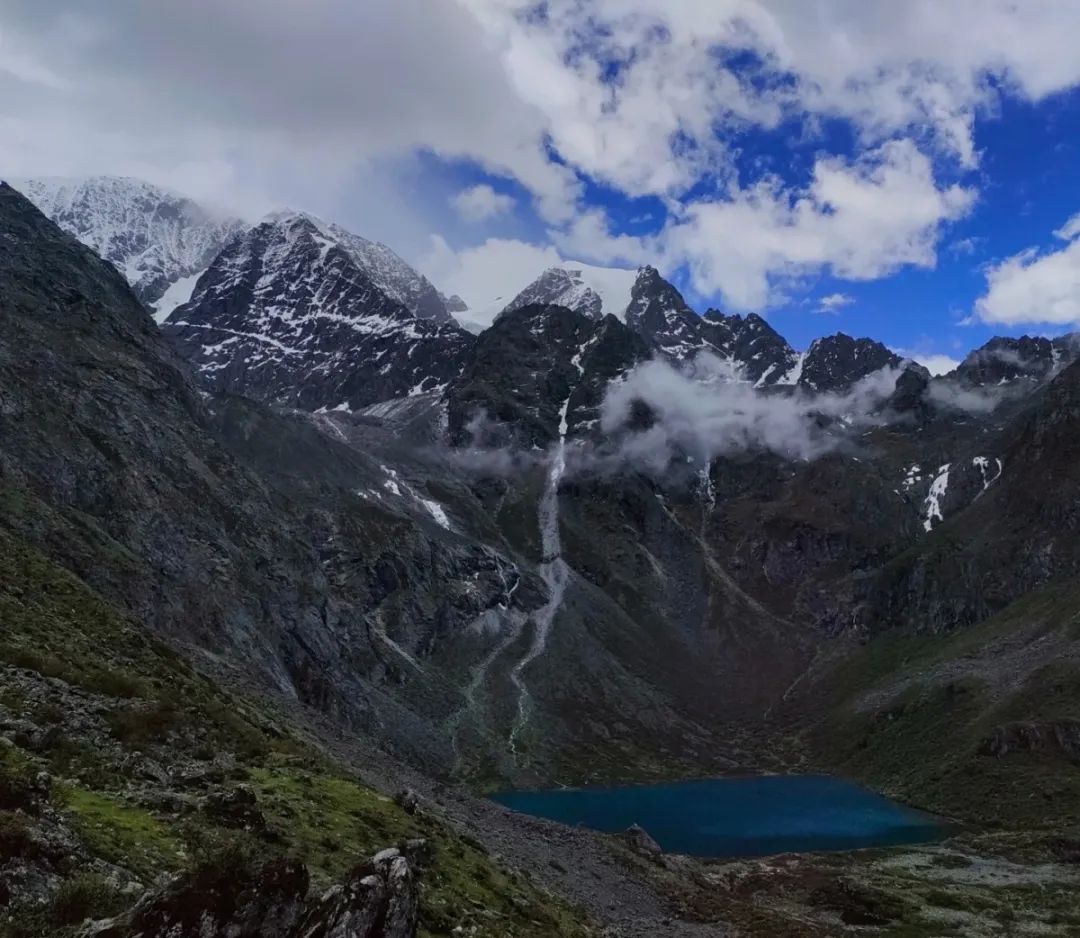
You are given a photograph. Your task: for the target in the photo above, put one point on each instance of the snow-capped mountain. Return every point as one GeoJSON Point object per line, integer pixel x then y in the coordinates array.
{"type": "Point", "coordinates": [652, 307]}
{"type": "Point", "coordinates": [159, 240]}
{"type": "Point", "coordinates": [1005, 359]}
{"type": "Point", "coordinates": [162, 241]}
{"type": "Point", "coordinates": [387, 271]}
{"type": "Point", "coordinates": [289, 313]}
{"type": "Point", "coordinates": [594, 291]}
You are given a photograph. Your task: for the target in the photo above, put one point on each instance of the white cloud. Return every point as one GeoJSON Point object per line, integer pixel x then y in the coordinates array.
{"type": "Point", "coordinates": [481, 202]}
{"type": "Point", "coordinates": [589, 238]}
{"type": "Point", "coordinates": [834, 302]}
{"type": "Point", "coordinates": [1034, 287]}
{"type": "Point", "coordinates": [889, 68]}
{"type": "Point", "coordinates": [858, 221]}
{"type": "Point", "coordinates": [272, 92]}
{"type": "Point", "coordinates": [487, 277]}
{"type": "Point", "coordinates": [699, 412]}
{"type": "Point", "coordinates": [965, 247]}
{"type": "Point", "coordinates": [280, 102]}
{"type": "Point", "coordinates": [938, 364]}
{"type": "Point", "coordinates": [1070, 229]}
{"type": "Point", "coordinates": [934, 362]}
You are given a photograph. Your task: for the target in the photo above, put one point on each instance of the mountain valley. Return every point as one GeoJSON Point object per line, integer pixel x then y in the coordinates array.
{"type": "Point", "coordinates": [302, 543]}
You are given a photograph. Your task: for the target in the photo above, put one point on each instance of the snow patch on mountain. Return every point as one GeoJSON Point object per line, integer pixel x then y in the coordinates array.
{"type": "Point", "coordinates": [989, 475]}
{"type": "Point", "coordinates": [313, 328]}
{"type": "Point", "coordinates": [932, 506]}
{"type": "Point", "coordinates": [177, 295]}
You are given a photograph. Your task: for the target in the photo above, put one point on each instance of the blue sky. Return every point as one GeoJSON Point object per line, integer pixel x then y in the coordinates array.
{"type": "Point", "coordinates": [1028, 183]}
{"type": "Point", "coordinates": [904, 170]}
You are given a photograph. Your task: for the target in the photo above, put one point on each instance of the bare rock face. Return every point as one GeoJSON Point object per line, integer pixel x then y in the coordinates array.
{"type": "Point", "coordinates": [1060, 736]}
{"type": "Point", "coordinates": [292, 312]}
{"type": "Point", "coordinates": [380, 900]}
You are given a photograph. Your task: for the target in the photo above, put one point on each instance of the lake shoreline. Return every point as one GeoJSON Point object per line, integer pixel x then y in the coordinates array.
{"type": "Point", "coordinates": [743, 816]}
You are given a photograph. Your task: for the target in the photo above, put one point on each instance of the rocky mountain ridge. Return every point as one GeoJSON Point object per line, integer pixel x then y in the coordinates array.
{"type": "Point", "coordinates": [163, 243]}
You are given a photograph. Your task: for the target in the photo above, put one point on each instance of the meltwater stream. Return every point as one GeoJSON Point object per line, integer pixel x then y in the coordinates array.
{"type": "Point", "coordinates": [738, 817]}
{"type": "Point", "coordinates": [553, 569]}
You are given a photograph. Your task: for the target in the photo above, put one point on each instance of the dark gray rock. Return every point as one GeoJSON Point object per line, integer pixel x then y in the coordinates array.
{"type": "Point", "coordinates": [217, 903]}
{"type": "Point", "coordinates": [835, 363]}
{"type": "Point", "coordinates": [522, 370]}
{"type": "Point", "coordinates": [379, 900]}
{"type": "Point", "coordinates": [638, 839]}
{"type": "Point", "coordinates": [408, 800]}
{"type": "Point", "coordinates": [764, 356]}
{"type": "Point", "coordinates": [1060, 736]}
{"type": "Point", "coordinates": [1005, 359]}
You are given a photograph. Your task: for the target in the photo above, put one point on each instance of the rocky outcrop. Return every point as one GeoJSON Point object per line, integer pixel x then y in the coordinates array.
{"type": "Point", "coordinates": [837, 362]}
{"type": "Point", "coordinates": [660, 315]}
{"type": "Point", "coordinates": [217, 902]}
{"type": "Point", "coordinates": [639, 840]}
{"type": "Point", "coordinates": [1054, 737]}
{"type": "Point", "coordinates": [1005, 359]}
{"type": "Point", "coordinates": [763, 355]}
{"type": "Point", "coordinates": [380, 899]}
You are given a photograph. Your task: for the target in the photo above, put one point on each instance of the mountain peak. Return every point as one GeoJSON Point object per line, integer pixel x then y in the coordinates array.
{"type": "Point", "coordinates": [390, 273]}
{"type": "Point", "coordinates": [159, 240]}
{"type": "Point", "coordinates": [834, 363]}
{"type": "Point", "coordinates": [593, 291]}
{"type": "Point", "coordinates": [299, 312]}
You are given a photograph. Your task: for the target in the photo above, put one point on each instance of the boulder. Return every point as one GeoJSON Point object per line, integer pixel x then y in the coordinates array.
{"type": "Point", "coordinates": [236, 807]}
{"type": "Point", "coordinates": [216, 903]}
{"type": "Point", "coordinates": [408, 800]}
{"type": "Point", "coordinates": [380, 900]}
{"type": "Point", "coordinates": [638, 840]}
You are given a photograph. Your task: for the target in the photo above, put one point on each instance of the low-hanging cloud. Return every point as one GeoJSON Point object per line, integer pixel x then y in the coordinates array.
{"type": "Point", "coordinates": [487, 449]}
{"type": "Point", "coordinates": [949, 395]}
{"type": "Point", "coordinates": [697, 414]}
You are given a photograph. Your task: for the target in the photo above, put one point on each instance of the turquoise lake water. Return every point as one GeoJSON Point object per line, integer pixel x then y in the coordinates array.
{"type": "Point", "coordinates": [738, 817]}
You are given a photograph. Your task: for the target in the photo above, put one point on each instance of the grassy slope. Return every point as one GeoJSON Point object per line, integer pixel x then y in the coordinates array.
{"type": "Point", "coordinates": [910, 712]}
{"type": "Point", "coordinates": [154, 706]}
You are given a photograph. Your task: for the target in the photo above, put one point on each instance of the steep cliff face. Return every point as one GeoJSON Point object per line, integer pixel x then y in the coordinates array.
{"type": "Point", "coordinates": [289, 313]}
{"type": "Point", "coordinates": [528, 365]}
{"type": "Point", "coordinates": [1002, 524]}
